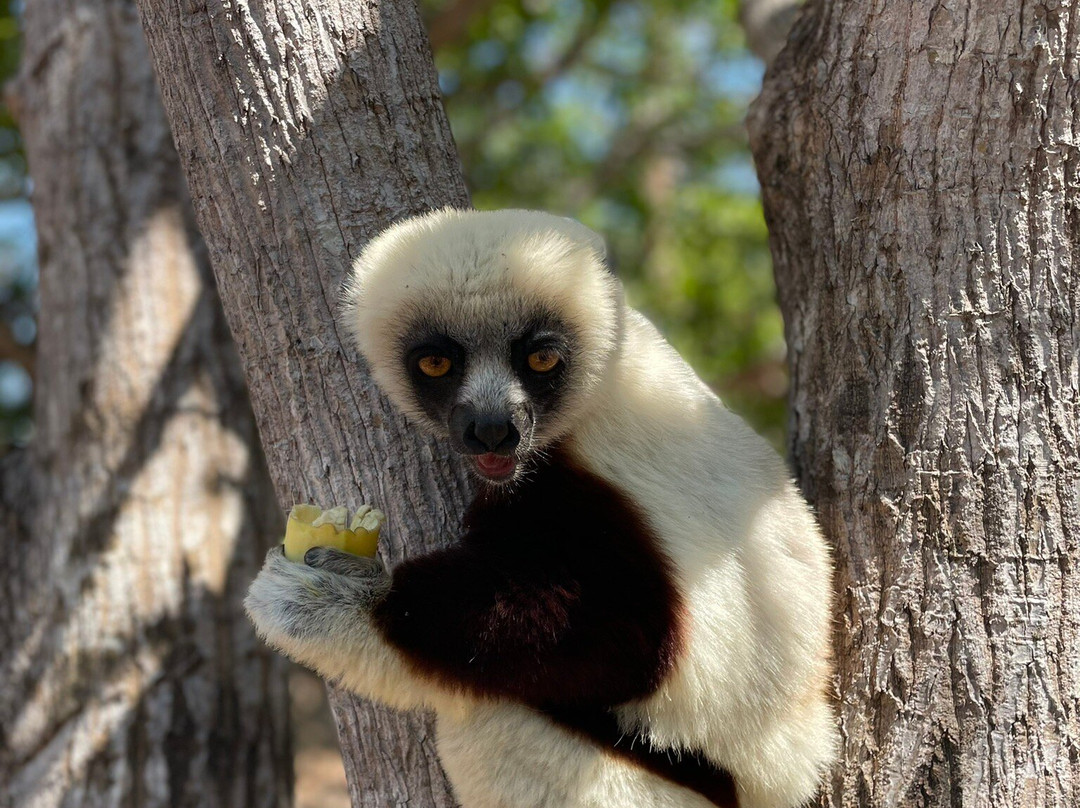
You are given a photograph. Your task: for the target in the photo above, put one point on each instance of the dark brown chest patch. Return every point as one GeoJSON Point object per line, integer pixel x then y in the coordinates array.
{"type": "Point", "coordinates": [556, 595]}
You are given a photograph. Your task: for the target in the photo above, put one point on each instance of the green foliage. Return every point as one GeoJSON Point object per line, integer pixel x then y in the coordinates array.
{"type": "Point", "coordinates": [628, 116]}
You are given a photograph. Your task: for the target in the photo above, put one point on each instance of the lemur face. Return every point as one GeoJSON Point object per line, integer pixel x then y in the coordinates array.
{"type": "Point", "coordinates": [491, 329]}
{"type": "Point", "coordinates": [494, 390]}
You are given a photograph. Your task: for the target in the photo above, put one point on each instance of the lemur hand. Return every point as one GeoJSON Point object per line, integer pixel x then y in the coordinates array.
{"type": "Point", "coordinates": [304, 609]}
{"type": "Point", "coordinates": [340, 562]}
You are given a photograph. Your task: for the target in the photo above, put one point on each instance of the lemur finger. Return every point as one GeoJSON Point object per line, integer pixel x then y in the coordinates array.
{"type": "Point", "coordinates": [342, 563]}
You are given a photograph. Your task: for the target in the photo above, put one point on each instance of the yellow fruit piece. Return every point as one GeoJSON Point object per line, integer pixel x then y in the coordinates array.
{"type": "Point", "coordinates": [310, 526]}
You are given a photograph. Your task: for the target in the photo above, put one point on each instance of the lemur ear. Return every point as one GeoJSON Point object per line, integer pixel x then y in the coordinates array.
{"type": "Point", "coordinates": [593, 239]}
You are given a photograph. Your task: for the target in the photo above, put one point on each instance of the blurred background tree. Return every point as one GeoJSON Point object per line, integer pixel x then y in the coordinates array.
{"type": "Point", "coordinates": [18, 265]}
{"type": "Point", "coordinates": [626, 115]}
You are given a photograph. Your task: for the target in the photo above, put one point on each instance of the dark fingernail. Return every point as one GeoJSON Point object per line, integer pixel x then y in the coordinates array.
{"type": "Point", "coordinates": [311, 557]}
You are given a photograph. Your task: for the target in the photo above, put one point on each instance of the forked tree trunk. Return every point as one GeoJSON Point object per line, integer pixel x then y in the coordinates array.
{"type": "Point", "coordinates": [129, 675]}
{"type": "Point", "coordinates": [305, 127]}
{"type": "Point", "coordinates": [920, 172]}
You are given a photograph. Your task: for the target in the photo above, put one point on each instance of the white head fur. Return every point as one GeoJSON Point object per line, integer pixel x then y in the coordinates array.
{"type": "Point", "coordinates": [481, 278]}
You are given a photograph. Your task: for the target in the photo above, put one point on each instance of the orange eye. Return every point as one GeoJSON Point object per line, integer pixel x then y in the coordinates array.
{"type": "Point", "coordinates": [434, 366]}
{"type": "Point", "coordinates": [543, 360]}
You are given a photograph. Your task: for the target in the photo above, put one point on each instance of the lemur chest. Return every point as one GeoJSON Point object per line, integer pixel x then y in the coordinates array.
{"type": "Point", "coordinates": [557, 595]}
{"type": "Point", "coordinates": [571, 532]}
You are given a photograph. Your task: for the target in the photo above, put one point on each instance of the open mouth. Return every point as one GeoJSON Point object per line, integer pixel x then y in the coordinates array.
{"type": "Point", "coordinates": [495, 467]}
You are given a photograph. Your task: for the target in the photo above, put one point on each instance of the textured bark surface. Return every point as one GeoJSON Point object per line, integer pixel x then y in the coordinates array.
{"type": "Point", "coordinates": [129, 675]}
{"type": "Point", "coordinates": [920, 172]}
{"type": "Point", "coordinates": [305, 127]}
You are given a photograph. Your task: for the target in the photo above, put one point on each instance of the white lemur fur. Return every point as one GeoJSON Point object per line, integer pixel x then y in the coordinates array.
{"type": "Point", "coordinates": [748, 687]}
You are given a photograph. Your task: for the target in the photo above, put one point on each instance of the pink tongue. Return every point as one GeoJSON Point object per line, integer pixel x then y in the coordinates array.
{"type": "Point", "coordinates": [491, 463]}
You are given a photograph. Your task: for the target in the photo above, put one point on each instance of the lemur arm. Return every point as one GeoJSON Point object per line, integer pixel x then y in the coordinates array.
{"type": "Point", "coordinates": [457, 623]}
{"type": "Point", "coordinates": [544, 628]}
{"type": "Point", "coordinates": [319, 614]}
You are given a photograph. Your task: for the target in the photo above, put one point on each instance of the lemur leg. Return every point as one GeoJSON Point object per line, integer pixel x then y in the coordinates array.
{"type": "Point", "coordinates": [505, 755]}
{"type": "Point", "coordinates": [319, 614]}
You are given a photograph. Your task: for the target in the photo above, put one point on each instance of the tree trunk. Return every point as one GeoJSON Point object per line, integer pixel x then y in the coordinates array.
{"type": "Point", "coordinates": [304, 128]}
{"type": "Point", "coordinates": [919, 167]}
{"type": "Point", "coordinates": [132, 526]}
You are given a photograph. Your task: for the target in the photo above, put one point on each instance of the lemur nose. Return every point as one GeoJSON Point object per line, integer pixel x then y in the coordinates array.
{"type": "Point", "coordinates": [492, 434]}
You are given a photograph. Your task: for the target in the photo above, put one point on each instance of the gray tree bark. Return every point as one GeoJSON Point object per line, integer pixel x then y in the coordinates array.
{"type": "Point", "coordinates": [304, 128]}
{"type": "Point", "coordinates": [128, 672]}
{"type": "Point", "coordinates": [920, 172]}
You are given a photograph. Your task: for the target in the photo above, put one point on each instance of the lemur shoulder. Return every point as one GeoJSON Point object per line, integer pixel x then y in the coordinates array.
{"type": "Point", "coordinates": [637, 611]}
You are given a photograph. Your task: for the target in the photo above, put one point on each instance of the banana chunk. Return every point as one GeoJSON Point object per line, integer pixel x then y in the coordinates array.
{"type": "Point", "coordinates": [311, 526]}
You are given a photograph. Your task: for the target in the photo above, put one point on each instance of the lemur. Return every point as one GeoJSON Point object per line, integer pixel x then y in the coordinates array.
{"type": "Point", "coordinates": [637, 611]}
